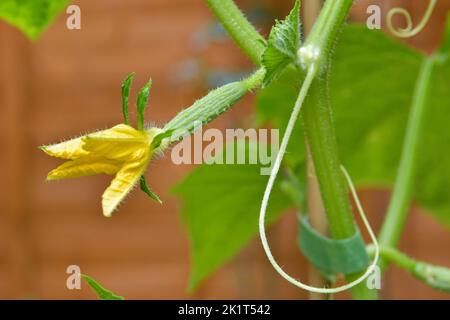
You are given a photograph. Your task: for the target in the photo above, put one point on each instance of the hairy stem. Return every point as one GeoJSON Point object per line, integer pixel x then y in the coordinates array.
{"type": "Point", "coordinates": [320, 132]}
{"type": "Point", "coordinates": [404, 183]}
{"type": "Point", "coordinates": [434, 276]}
{"type": "Point", "coordinates": [319, 127]}
{"type": "Point", "coordinates": [395, 256]}
{"type": "Point", "coordinates": [240, 29]}
{"type": "Point", "coordinates": [321, 139]}
{"type": "Point", "coordinates": [322, 142]}
{"type": "Point", "coordinates": [325, 31]}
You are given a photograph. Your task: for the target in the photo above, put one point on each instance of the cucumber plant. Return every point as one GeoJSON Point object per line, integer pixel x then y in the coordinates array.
{"type": "Point", "coordinates": [356, 113]}
{"type": "Point", "coordinates": [350, 95]}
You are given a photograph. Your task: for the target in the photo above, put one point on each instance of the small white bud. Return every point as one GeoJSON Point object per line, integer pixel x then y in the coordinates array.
{"type": "Point", "coordinates": [308, 55]}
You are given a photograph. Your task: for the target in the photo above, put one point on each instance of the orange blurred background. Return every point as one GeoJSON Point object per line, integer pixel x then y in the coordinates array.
{"type": "Point", "coordinates": [68, 83]}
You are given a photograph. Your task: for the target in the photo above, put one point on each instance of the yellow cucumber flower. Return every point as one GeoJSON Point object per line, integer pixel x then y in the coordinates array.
{"type": "Point", "coordinates": [121, 151]}
{"type": "Point", "coordinates": [125, 152]}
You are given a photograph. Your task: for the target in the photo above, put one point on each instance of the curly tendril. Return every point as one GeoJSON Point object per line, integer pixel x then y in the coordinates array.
{"type": "Point", "coordinates": [409, 31]}
{"type": "Point", "coordinates": [262, 216]}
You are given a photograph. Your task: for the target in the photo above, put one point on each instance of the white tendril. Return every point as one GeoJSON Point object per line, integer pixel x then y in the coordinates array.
{"type": "Point", "coordinates": [408, 31]}
{"type": "Point", "coordinates": [276, 167]}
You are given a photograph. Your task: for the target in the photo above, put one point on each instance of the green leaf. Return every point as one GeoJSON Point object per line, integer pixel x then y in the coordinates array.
{"type": "Point", "coordinates": [282, 46]}
{"type": "Point", "coordinates": [126, 85]}
{"type": "Point", "coordinates": [371, 87]}
{"type": "Point", "coordinates": [145, 188]}
{"type": "Point", "coordinates": [378, 107]}
{"type": "Point", "coordinates": [445, 48]}
{"type": "Point", "coordinates": [102, 293]}
{"type": "Point", "coordinates": [433, 174]}
{"type": "Point", "coordinates": [31, 16]}
{"type": "Point", "coordinates": [142, 102]}
{"type": "Point", "coordinates": [371, 109]}
{"type": "Point", "coordinates": [274, 107]}
{"type": "Point", "coordinates": [221, 206]}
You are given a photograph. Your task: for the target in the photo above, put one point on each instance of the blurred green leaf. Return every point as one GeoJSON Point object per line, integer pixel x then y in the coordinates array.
{"type": "Point", "coordinates": [102, 293]}
{"type": "Point", "coordinates": [372, 84]}
{"type": "Point", "coordinates": [31, 16]}
{"type": "Point", "coordinates": [283, 43]}
{"type": "Point", "coordinates": [371, 88]}
{"type": "Point", "coordinates": [221, 206]}
{"type": "Point", "coordinates": [274, 107]}
{"type": "Point", "coordinates": [433, 175]}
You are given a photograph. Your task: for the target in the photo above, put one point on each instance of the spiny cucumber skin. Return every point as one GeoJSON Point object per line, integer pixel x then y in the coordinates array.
{"type": "Point", "coordinates": [206, 109]}
{"type": "Point", "coordinates": [212, 105]}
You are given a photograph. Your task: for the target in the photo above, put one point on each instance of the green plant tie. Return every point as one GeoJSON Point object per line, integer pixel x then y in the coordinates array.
{"type": "Point", "coordinates": [309, 53]}
{"type": "Point", "coordinates": [332, 256]}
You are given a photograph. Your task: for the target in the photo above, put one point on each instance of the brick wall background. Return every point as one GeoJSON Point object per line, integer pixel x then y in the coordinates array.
{"type": "Point", "coordinates": [68, 83]}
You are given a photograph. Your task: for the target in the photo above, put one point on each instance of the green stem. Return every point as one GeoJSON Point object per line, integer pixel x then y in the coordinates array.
{"type": "Point", "coordinates": [318, 122]}
{"type": "Point", "coordinates": [434, 276]}
{"type": "Point", "coordinates": [321, 139]}
{"type": "Point", "coordinates": [240, 29]}
{"type": "Point", "coordinates": [320, 133]}
{"type": "Point", "coordinates": [404, 183]}
{"type": "Point", "coordinates": [395, 256]}
{"type": "Point", "coordinates": [325, 31]}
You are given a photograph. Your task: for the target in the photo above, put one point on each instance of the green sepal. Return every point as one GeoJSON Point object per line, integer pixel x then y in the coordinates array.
{"type": "Point", "coordinates": [126, 85]}
{"type": "Point", "coordinates": [142, 101]}
{"type": "Point", "coordinates": [103, 294]}
{"type": "Point", "coordinates": [160, 137]}
{"type": "Point", "coordinates": [331, 256]}
{"type": "Point", "coordinates": [145, 188]}
{"type": "Point", "coordinates": [282, 46]}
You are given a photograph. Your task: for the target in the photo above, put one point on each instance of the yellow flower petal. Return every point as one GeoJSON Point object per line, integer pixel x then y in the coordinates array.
{"type": "Point", "coordinates": [73, 148]}
{"type": "Point", "coordinates": [121, 149]}
{"type": "Point", "coordinates": [122, 184]}
{"type": "Point", "coordinates": [86, 166]}
{"type": "Point", "coordinates": [118, 131]}
{"type": "Point", "coordinates": [121, 142]}
{"type": "Point", "coordinates": [70, 149]}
